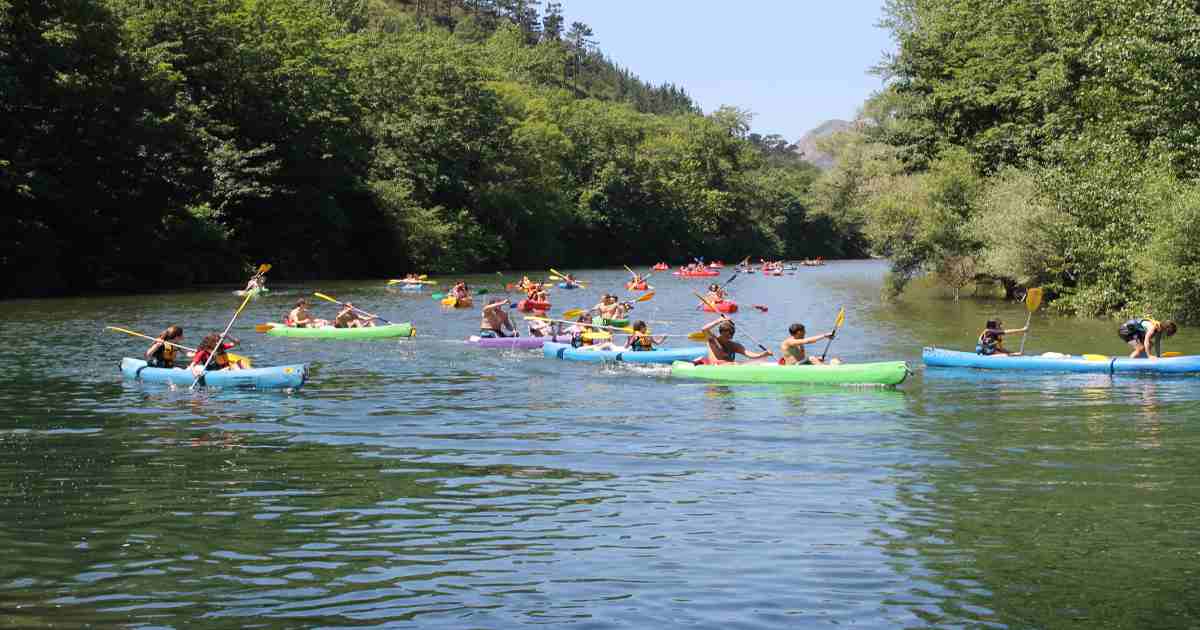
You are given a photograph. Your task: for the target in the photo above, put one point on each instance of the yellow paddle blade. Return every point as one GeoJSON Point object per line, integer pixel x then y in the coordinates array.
{"type": "Point", "coordinates": [841, 318]}
{"type": "Point", "coordinates": [237, 358]}
{"type": "Point", "coordinates": [1033, 299]}
{"type": "Point", "coordinates": [264, 268]}
{"type": "Point", "coordinates": [646, 297]}
{"type": "Point", "coordinates": [1095, 357]}
{"type": "Point", "coordinates": [324, 297]}
{"type": "Point", "coordinates": [262, 328]}
{"type": "Point", "coordinates": [1171, 354]}
{"type": "Point", "coordinates": [698, 336]}
{"type": "Point", "coordinates": [573, 313]}
{"type": "Point", "coordinates": [423, 276]}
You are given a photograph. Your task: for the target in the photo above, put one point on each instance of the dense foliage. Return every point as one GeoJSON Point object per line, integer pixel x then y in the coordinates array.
{"type": "Point", "coordinates": [150, 144]}
{"type": "Point", "coordinates": [1036, 142]}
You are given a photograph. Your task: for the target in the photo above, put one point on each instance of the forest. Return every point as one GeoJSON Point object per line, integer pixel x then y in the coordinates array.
{"type": "Point", "coordinates": [152, 144]}
{"type": "Point", "coordinates": [1051, 143]}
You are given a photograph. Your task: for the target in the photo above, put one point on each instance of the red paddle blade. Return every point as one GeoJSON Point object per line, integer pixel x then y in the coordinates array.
{"type": "Point", "coordinates": [761, 307]}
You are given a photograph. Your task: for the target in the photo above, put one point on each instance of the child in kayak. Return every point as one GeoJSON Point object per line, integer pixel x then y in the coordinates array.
{"type": "Point", "coordinates": [793, 351]}
{"type": "Point", "coordinates": [348, 317]}
{"type": "Point", "coordinates": [991, 340]}
{"type": "Point", "coordinates": [220, 361]}
{"type": "Point", "coordinates": [722, 349]}
{"type": "Point", "coordinates": [299, 318]}
{"type": "Point", "coordinates": [256, 283]}
{"type": "Point", "coordinates": [494, 320]}
{"type": "Point", "coordinates": [640, 340]}
{"type": "Point", "coordinates": [1143, 333]}
{"type": "Point", "coordinates": [543, 328]}
{"type": "Point", "coordinates": [461, 291]}
{"type": "Point", "coordinates": [161, 353]}
{"type": "Point", "coordinates": [715, 293]}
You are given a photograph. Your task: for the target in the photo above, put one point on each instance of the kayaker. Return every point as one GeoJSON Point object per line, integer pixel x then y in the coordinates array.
{"type": "Point", "coordinates": [348, 317]}
{"type": "Point", "coordinates": [494, 320]}
{"type": "Point", "coordinates": [793, 350]}
{"type": "Point", "coordinates": [1143, 334]}
{"type": "Point", "coordinates": [461, 291]}
{"type": "Point", "coordinates": [608, 308]}
{"type": "Point", "coordinates": [543, 328]}
{"type": "Point", "coordinates": [991, 340]}
{"type": "Point", "coordinates": [640, 340]}
{"type": "Point", "coordinates": [722, 349]}
{"type": "Point", "coordinates": [715, 293]}
{"type": "Point", "coordinates": [161, 353]}
{"type": "Point", "coordinates": [219, 362]}
{"type": "Point", "coordinates": [256, 283]}
{"type": "Point", "coordinates": [299, 318]}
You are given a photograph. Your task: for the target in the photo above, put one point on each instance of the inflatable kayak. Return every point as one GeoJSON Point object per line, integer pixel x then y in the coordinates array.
{"type": "Point", "coordinates": [885, 373]}
{"type": "Point", "coordinates": [412, 287]}
{"type": "Point", "coordinates": [641, 286]}
{"type": "Point", "coordinates": [515, 343]}
{"type": "Point", "coordinates": [564, 285]}
{"type": "Point", "coordinates": [661, 267]}
{"type": "Point", "coordinates": [617, 323]}
{"type": "Point", "coordinates": [724, 306]}
{"type": "Point", "coordinates": [329, 332]}
{"type": "Point", "coordinates": [697, 274]}
{"type": "Point", "coordinates": [937, 357]}
{"type": "Point", "coordinates": [568, 353]}
{"type": "Point", "coordinates": [278, 377]}
{"type": "Point", "coordinates": [528, 306]}
{"type": "Point", "coordinates": [456, 302]}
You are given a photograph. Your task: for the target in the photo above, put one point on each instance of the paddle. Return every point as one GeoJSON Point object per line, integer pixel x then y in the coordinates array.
{"type": "Point", "coordinates": [236, 358]}
{"type": "Point", "coordinates": [1033, 299]}
{"type": "Point", "coordinates": [714, 308]}
{"type": "Point", "coordinates": [353, 308]}
{"type": "Point", "coordinates": [576, 312]}
{"type": "Point", "coordinates": [391, 282]}
{"type": "Point", "coordinates": [841, 319]}
{"type": "Point", "coordinates": [624, 329]}
{"type": "Point", "coordinates": [262, 269]}
{"type": "Point", "coordinates": [558, 275]}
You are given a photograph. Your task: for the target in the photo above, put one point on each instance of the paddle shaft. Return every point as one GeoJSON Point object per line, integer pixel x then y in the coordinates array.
{"type": "Point", "coordinates": [220, 342]}
{"type": "Point", "coordinates": [353, 308]}
{"type": "Point", "coordinates": [565, 321]}
{"type": "Point", "coordinates": [714, 308]}
{"type": "Point", "coordinates": [1025, 335]}
{"type": "Point", "coordinates": [138, 334]}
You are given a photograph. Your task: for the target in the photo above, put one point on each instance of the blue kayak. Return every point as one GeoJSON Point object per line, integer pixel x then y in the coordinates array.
{"type": "Point", "coordinates": [281, 376]}
{"type": "Point", "coordinates": [937, 357]}
{"type": "Point", "coordinates": [568, 353]}
{"type": "Point", "coordinates": [564, 285]}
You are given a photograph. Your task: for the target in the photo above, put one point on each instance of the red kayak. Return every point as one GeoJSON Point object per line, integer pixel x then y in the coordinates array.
{"type": "Point", "coordinates": [661, 267]}
{"type": "Point", "coordinates": [697, 274]}
{"type": "Point", "coordinates": [641, 286]}
{"type": "Point", "coordinates": [529, 306]}
{"type": "Point", "coordinates": [722, 307]}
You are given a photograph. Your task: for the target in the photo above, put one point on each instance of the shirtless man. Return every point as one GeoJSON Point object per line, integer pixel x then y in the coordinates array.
{"type": "Point", "coordinates": [793, 351]}
{"type": "Point", "coordinates": [494, 320]}
{"type": "Point", "coordinates": [722, 349]}
{"type": "Point", "coordinates": [348, 317]}
{"type": "Point", "coordinates": [299, 317]}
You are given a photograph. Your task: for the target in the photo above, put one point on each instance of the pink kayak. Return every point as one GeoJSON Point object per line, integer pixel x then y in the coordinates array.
{"type": "Point", "coordinates": [515, 343]}
{"type": "Point", "coordinates": [723, 307]}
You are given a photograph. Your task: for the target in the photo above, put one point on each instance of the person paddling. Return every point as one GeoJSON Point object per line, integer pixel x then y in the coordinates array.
{"type": "Point", "coordinates": [640, 340]}
{"type": "Point", "coordinates": [494, 320]}
{"type": "Point", "coordinates": [348, 317]}
{"type": "Point", "coordinates": [793, 350]}
{"type": "Point", "coordinates": [722, 349]}
{"type": "Point", "coordinates": [1143, 333]}
{"type": "Point", "coordinates": [299, 317]}
{"type": "Point", "coordinates": [991, 340]}
{"type": "Point", "coordinates": [221, 360]}
{"type": "Point", "coordinates": [161, 353]}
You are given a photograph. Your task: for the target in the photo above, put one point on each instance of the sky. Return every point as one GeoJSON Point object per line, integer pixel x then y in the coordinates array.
{"type": "Point", "coordinates": [794, 63]}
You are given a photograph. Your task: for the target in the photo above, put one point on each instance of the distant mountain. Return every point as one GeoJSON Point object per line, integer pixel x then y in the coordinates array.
{"type": "Point", "coordinates": [807, 144]}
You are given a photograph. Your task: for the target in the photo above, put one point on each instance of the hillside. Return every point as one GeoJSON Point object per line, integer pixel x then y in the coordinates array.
{"type": "Point", "coordinates": [807, 144]}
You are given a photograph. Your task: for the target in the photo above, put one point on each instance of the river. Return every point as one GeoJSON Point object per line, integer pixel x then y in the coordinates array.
{"type": "Point", "coordinates": [422, 482]}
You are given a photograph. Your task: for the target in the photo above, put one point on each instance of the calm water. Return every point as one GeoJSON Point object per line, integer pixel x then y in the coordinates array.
{"type": "Point", "coordinates": [420, 482]}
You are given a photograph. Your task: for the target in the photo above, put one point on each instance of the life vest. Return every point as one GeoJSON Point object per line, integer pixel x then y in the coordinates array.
{"type": "Point", "coordinates": [990, 340]}
{"type": "Point", "coordinates": [1135, 328]}
{"type": "Point", "coordinates": [641, 343]}
{"type": "Point", "coordinates": [164, 356]}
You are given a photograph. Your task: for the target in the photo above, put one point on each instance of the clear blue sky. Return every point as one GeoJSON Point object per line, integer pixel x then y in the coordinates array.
{"type": "Point", "coordinates": [794, 63]}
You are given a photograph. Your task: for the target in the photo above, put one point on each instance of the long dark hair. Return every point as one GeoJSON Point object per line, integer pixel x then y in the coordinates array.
{"type": "Point", "coordinates": [172, 332]}
{"type": "Point", "coordinates": [209, 342]}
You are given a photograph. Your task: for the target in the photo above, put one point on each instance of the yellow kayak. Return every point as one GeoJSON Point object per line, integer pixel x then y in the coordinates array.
{"type": "Point", "coordinates": [454, 302]}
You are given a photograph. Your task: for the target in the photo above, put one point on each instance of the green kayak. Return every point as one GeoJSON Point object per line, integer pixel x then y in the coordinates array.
{"type": "Point", "coordinates": [329, 332]}
{"type": "Point", "coordinates": [885, 373]}
{"type": "Point", "coordinates": [616, 323]}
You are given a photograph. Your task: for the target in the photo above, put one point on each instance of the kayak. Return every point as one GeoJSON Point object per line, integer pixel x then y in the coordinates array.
{"type": "Point", "coordinates": [617, 323]}
{"type": "Point", "coordinates": [661, 267]}
{"type": "Point", "coordinates": [697, 274]}
{"type": "Point", "coordinates": [724, 306]}
{"type": "Point", "coordinates": [515, 343]}
{"type": "Point", "coordinates": [528, 306]}
{"type": "Point", "coordinates": [456, 302]}
{"type": "Point", "coordinates": [412, 287]}
{"type": "Point", "coordinates": [641, 286]}
{"type": "Point", "coordinates": [716, 265]}
{"type": "Point", "coordinates": [564, 285]}
{"type": "Point", "coordinates": [329, 332]}
{"type": "Point", "coordinates": [280, 376]}
{"type": "Point", "coordinates": [568, 353]}
{"type": "Point", "coordinates": [884, 373]}
{"type": "Point", "coordinates": [937, 357]}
